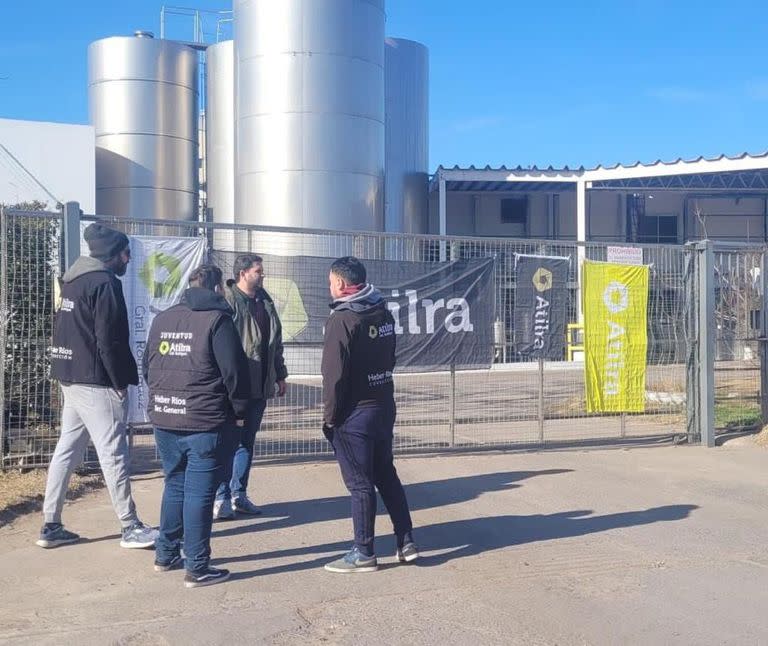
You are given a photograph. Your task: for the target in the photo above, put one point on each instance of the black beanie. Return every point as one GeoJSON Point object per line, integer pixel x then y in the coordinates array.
{"type": "Point", "coordinates": [103, 242]}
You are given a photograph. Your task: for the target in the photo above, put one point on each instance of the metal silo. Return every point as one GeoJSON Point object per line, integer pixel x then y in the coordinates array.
{"type": "Point", "coordinates": [220, 131]}
{"type": "Point", "coordinates": [143, 96]}
{"type": "Point", "coordinates": [407, 136]}
{"type": "Point", "coordinates": [310, 113]}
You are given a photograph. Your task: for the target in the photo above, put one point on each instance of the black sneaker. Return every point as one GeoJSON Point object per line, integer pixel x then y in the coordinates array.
{"type": "Point", "coordinates": [174, 564]}
{"type": "Point", "coordinates": [407, 553]}
{"type": "Point", "coordinates": [209, 576]}
{"type": "Point", "coordinates": [54, 534]}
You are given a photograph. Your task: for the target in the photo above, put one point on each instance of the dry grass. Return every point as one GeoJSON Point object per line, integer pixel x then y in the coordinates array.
{"type": "Point", "coordinates": [761, 439]}
{"type": "Point", "coordinates": [22, 493]}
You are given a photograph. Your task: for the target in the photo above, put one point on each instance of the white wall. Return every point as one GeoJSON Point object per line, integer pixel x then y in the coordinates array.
{"type": "Point", "coordinates": [61, 156]}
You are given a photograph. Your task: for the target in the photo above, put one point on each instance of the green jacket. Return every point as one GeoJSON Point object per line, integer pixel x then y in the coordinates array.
{"type": "Point", "coordinates": [251, 338]}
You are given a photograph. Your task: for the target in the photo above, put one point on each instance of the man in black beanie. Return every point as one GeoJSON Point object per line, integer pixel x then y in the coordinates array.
{"type": "Point", "coordinates": [92, 359]}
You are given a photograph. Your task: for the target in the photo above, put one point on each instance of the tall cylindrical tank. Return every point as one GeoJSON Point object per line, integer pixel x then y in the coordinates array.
{"type": "Point", "coordinates": [407, 136]}
{"type": "Point", "coordinates": [310, 113]}
{"type": "Point", "coordinates": [143, 96]}
{"type": "Point", "coordinates": [220, 131]}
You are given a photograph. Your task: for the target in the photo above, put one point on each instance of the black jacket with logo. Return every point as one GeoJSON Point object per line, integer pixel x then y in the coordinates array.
{"type": "Point", "coordinates": [194, 365]}
{"type": "Point", "coordinates": [90, 337]}
{"type": "Point", "coordinates": [358, 355]}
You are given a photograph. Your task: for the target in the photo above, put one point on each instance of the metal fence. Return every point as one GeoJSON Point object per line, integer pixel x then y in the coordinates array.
{"type": "Point", "coordinates": [738, 321]}
{"type": "Point", "coordinates": [514, 403]}
{"type": "Point", "coordinates": [30, 258]}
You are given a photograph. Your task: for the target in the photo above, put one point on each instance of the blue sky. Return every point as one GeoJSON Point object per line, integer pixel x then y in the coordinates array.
{"type": "Point", "coordinates": [512, 81]}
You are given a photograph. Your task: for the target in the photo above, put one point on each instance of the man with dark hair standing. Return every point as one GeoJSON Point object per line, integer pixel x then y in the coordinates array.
{"type": "Point", "coordinates": [92, 359]}
{"type": "Point", "coordinates": [261, 335]}
{"type": "Point", "coordinates": [359, 411]}
{"type": "Point", "coordinates": [198, 383]}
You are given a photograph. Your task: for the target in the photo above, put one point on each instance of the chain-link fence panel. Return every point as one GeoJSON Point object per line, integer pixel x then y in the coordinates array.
{"type": "Point", "coordinates": [738, 311]}
{"type": "Point", "coordinates": [30, 262]}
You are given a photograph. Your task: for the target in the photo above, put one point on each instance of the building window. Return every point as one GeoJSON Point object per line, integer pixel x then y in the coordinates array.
{"type": "Point", "coordinates": [514, 210]}
{"type": "Point", "coordinates": [658, 229]}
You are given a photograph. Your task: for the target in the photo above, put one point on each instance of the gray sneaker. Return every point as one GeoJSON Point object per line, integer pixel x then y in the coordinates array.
{"type": "Point", "coordinates": [222, 510]}
{"type": "Point", "coordinates": [407, 553]}
{"type": "Point", "coordinates": [353, 561]}
{"type": "Point", "coordinates": [54, 534]}
{"type": "Point", "coordinates": [138, 536]}
{"type": "Point", "coordinates": [244, 506]}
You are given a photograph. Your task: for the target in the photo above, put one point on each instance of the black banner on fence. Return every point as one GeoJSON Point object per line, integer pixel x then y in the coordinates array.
{"type": "Point", "coordinates": [541, 306]}
{"type": "Point", "coordinates": [443, 311]}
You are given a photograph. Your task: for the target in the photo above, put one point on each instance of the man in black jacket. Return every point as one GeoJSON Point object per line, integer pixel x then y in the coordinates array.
{"type": "Point", "coordinates": [198, 381]}
{"type": "Point", "coordinates": [92, 359]}
{"type": "Point", "coordinates": [359, 411]}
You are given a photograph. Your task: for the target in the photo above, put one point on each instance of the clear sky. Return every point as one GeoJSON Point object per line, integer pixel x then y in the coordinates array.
{"type": "Point", "coordinates": [512, 81]}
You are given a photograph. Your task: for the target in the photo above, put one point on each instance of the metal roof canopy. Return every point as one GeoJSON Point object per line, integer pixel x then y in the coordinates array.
{"type": "Point", "coordinates": [741, 181]}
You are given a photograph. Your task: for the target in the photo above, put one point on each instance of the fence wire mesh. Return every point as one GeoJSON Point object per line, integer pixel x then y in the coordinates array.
{"type": "Point", "coordinates": [512, 403]}
{"type": "Point", "coordinates": [30, 259]}
{"type": "Point", "coordinates": [738, 311]}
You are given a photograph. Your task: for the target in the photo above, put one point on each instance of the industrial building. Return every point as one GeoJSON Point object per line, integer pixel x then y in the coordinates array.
{"type": "Point", "coordinates": [660, 203]}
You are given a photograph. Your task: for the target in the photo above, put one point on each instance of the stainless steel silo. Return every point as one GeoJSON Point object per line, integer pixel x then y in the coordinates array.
{"type": "Point", "coordinates": [407, 136]}
{"type": "Point", "coordinates": [143, 96]}
{"type": "Point", "coordinates": [220, 131]}
{"type": "Point", "coordinates": [310, 113]}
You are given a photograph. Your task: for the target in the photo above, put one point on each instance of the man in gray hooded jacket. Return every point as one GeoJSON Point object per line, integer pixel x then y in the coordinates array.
{"type": "Point", "coordinates": [92, 359]}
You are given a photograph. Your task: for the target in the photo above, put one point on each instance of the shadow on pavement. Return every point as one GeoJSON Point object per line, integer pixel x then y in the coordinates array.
{"type": "Point", "coordinates": [463, 538]}
{"type": "Point", "coordinates": [422, 495]}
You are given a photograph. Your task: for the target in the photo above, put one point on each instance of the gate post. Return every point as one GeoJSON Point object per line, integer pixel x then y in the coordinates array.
{"type": "Point", "coordinates": [700, 323]}
{"type": "Point", "coordinates": [71, 232]}
{"type": "Point", "coordinates": [763, 340]}
{"type": "Point", "coordinates": [705, 360]}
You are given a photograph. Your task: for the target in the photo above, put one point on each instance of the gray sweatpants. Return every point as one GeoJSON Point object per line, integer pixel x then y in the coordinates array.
{"type": "Point", "coordinates": [98, 413]}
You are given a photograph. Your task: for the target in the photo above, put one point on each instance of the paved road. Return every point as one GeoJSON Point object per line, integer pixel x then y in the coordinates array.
{"type": "Point", "coordinates": [643, 546]}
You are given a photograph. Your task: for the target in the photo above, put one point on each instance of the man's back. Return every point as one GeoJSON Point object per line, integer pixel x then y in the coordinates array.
{"type": "Point", "coordinates": [358, 356]}
{"type": "Point", "coordinates": [195, 366]}
{"type": "Point", "coordinates": [91, 338]}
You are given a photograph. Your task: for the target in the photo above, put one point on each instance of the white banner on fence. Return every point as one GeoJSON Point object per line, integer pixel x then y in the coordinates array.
{"type": "Point", "coordinates": [625, 255]}
{"type": "Point", "coordinates": [156, 278]}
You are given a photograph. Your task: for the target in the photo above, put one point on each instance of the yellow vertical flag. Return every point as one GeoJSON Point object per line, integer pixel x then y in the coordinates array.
{"type": "Point", "coordinates": [615, 305]}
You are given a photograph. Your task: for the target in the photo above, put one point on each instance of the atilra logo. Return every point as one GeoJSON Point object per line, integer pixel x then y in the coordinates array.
{"type": "Point", "coordinates": [542, 279]}
{"type": "Point", "coordinates": [161, 274]}
{"type": "Point", "coordinates": [455, 315]}
{"type": "Point", "coordinates": [171, 344]}
{"type": "Point", "coordinates": [616, 301]}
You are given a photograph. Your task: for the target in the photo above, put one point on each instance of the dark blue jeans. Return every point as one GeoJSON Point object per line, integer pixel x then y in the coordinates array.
{"type": "Point", "coordinates": [363, 448]}
{"type": "Point", "coordinates": [192, 465]}
{"type": "Point", "coordinates": [237, 470]}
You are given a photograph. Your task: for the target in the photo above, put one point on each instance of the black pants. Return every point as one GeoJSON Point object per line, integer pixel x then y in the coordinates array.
{"type": "Point", "coordinates": [363, 447]}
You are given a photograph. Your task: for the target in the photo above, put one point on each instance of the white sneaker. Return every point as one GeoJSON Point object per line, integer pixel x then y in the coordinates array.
{"type": "Point", "coordinates": [222, 510]}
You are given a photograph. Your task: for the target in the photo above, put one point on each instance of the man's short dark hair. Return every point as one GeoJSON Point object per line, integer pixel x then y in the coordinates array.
{"type": "Point", "coordinates": [350, 269]}
{"type": "Point", "coordinates": [206, 276]}
{"type": "Point", "coordinates": [244, 262]}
